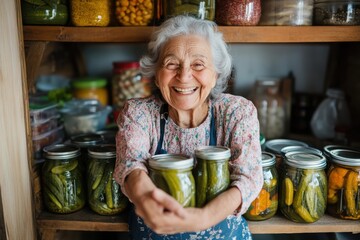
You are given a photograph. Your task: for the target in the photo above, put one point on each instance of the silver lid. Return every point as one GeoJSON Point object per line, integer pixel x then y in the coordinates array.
{"type": "Point", "coordinates": [87, 139]}
{"type": "Point", "coordinates": [275, 145]}
{"type": "Point", "coordinates": [213, 153]}
{"type": "Point", "coordinates": [305, 160]}
{"type": "Point", "coordinates": [347, 157]}
{"type": "Point", "coordinates": [268, 159]}
{"type": "Point", "coordinates": [103, 151]}
{"type": "Point", "coordinates": [171, 161]}
{"type": "Point", "coordinates": [300, 149]}
{"type": "Point", "coordinates": [61, 151]}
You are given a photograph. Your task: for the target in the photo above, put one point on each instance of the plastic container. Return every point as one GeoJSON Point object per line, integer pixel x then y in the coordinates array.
{"type": "Point", "coordinates": [330, 12]}
{"type": "Point", "coordinates": [91, 13]}
{"type": "Point", "coordinates": [91, 88]}
{"type": "Point", "coordinates": [304, 187]}
{"type": "Point", "coordinates": [211, 173]}
{"type": "Point", "coordinates": [104, 194]}
{"type": "Point", "coordinates": [45, 126]}
{"type": "Point", "coordinates": [266, 204]}
{"type": "Point", "coordinates": [41, 109]}
{"type": "Point", "coordinates": [172, 173]}
{"type": "Point", "coordinates": [62, 181]}
{"type": "Point", "coordinates": [238, 12]}
{"type": "Point", "coordinates": [134, 13]}
{"type": "Point", "coordinates": [343, 198]}
{"type": "Point", "coordinates": [44, 12]}
{"type": "Point", "coordinates": [48, 138]}
{"type": "Point", "coordinates": [198, 9]}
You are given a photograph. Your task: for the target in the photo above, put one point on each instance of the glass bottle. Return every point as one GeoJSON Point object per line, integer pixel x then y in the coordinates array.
{"type": "Point", "coordinates": [95, 13]}
{"type": "Point", "coordinates": [199, 9]}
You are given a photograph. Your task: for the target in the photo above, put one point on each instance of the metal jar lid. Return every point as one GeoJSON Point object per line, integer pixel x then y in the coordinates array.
{"type": "Point", "coordinates": [213, 153]}
{"type": "Point", "coordinates": [268, 159]}
{"type": "Point", "coordinates": [305, 160]}
{"type": "Point", "coordinates": [87, 139]}
{"type": "Point", "coordinates": [300, 149]}
{"type": "Point", "coordinates": [61, 151]}
{"type": "Point", "coordinates": [275, 145]}
{"type": "Point", "coordinates": [171, 161]}
{"type": "Point", "coordinates": [103, 151]}
{"type": "Point", "coordinates": [347, 157]}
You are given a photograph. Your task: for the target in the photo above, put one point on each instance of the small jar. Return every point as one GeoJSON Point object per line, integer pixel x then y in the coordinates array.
{"type": "Point", "coordinates": [304, 187]}
{"type": "Point", "coordinates": [294, 12]}
{"type": "Point", "coordinates": [44, 12]}
{"type": "Point", "coordinates": [198, 9]}
{"type": "Point", "coordinates": [172, 173]}
{"type": "Point", "coordinates": [266, 204]}
{"type": "Point", "coordinates": [62, 180]}
{"type": "Point", "coordinates": [90, 13]}
{"type": "Point", "coordinates": [238, 12]}
{"type": "Point", "coordinates": [91, 88]}
{"type": "Point", "coordinates": [343, 198]}
{"type": "Point", "coordinates": [211, 173]}
{"type": "Point", "coordinates": [134, 12]}
{"type": "Point", "coordinates": [104, 194]}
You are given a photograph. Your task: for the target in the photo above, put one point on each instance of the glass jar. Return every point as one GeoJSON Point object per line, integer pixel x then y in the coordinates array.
{"type": "Point", "coordinates": [198, 9]}
{"type": "Point", "coordinates": [304, 187]}
{"type": "Point", "coordinates": [62, 180]}
{"type": "Point", "coordinates": [96, 13]}
{"type": "Point", "coordinates": [294, 12]}
{"type": "Point", "coordinates": [343, 198]}
{"type": "Point", "coordinates": [238, 12]}
{"type": "Point", "coordinates": [44, 12]}
{"type": "Point", "coordinates": [172, 173]}
{"type": "Point", "coordinates": [134, 12]}
{"type": "Point", "coordinates": [104, 194]}
{"type": "Point", "coordinates": [266, 203]}
{"type": "Point", "coordinates": [211, 173]}
{"type": "Point", "coordinates": [91, 88]}
{"type": "Point", "coordinates": [337, 12]}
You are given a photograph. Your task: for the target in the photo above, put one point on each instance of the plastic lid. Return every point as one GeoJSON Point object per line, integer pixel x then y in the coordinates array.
{"type": "Point", "coordinates": [89, 83]}
{"type": "Point", "coordinates": [125, 65]}
{"type": "Point", "coordinates": [268, 159]}
{"type": "Point", "coordinates": [171, 161]}
{"type": "Point", "coordinates": [61, 151]}
{"type": "Point", "coordinates": [213, 153]}
{"type": "Point", "coordinates": [104, 151]}
{"type": "Point", "coordinates": [274, 146]}
{"type": "Point", "coordinates": [305, 160]}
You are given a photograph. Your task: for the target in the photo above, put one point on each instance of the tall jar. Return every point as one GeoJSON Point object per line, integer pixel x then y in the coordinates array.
{"type": "Point", "coordinates": [238, 12]}
{"type": "Point", "coordinates": [91, 88]}
{"type": "Point", "coordinates": [62, 180]}
{"type": "Point", "coordinates": [44, 12]}
{"type": "Point", "coordinates": [344, 180]}
{"type": "Point", "coordinates": [173, 174]}
{"type": "Point", "coordinates": [134, 12]}
{"type": "Point", "coordinates": [304, 187]}
{"type": "Point", "coordinates": [198, 9]}
{"type": "Point", "coordinates": [266, 203]}
{"type": "Point", "coordinates": [211, 172]}
{"type": "Point", "coordinates": [104, 194]}
{"type": "Point", "coordinates": [96, 13]}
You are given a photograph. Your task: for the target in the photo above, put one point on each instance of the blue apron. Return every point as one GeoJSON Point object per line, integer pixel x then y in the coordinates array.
{"type": "Point", "coordinates": [230, 228]}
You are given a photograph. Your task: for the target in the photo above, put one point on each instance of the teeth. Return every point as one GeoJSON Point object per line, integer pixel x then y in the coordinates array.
{"type": "Point", "coordinates": [185, 89]}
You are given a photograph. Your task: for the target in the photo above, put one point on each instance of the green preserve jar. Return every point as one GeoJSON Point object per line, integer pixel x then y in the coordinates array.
{"type": "Point", "coordinates": [104, 194]}
{"type": "Point", "coordinates": [198, 9]}
{"type": "Point", "coordinates": [304, 187]}
{"type": "Point", "coordinates": [172, 173]}
{"type": "Point", "coordinates": [84, 141]}
{"type": "Point", "coordinates": [211, 173]}
{"type": "Point", "coordinates": [62, 180]}
{"type": "Point", "coordinates": [266, 203]}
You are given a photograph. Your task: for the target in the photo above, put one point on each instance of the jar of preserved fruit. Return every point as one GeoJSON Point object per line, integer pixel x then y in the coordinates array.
{"type": "Point", "coordinates": [343, 198]}
{"type": "Point", "coordinates": [198, 9]}
{"type": "Point", "coordinates": [91, 88]}
{"type": "Point", "coordinates": [304, 187]}
{"type": "Point", "coordinates": [134, 12]}
{"type": "Point", "coordinates": [211, 172]}
{"type": "Point", "coordinates": [238, 12]}
{"type": "Point", "coordinates": [104, 194]}
{"type": "Point", "coordinates": [44, 12]}
{"type": "Point", "coordinates": [266, 203]}
{"type": "Point", "coordinates": [90, 12]}
{"type": "Point", "coordinates": [62, 180]}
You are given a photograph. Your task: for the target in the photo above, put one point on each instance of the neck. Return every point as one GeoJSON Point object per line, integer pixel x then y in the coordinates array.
{"type": "Point", "coordinates": [189, 118]}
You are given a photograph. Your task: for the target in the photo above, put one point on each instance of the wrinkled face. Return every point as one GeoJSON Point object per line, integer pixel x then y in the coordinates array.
{"type": "Point", "coordinates": [186, 73]}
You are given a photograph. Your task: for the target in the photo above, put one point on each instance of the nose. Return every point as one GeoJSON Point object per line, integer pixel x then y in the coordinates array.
{"type": "Point", "coordinates": [184, 73]}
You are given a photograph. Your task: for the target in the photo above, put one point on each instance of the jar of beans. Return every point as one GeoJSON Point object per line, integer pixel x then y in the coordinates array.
{"type": "Point", "coordinates": [134, 12]}
{"type": "Point", "coordinates": [90, 12]}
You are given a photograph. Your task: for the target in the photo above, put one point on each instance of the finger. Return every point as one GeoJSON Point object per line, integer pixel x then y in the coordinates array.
{"type": "Point", "coordinates": [169, 203]}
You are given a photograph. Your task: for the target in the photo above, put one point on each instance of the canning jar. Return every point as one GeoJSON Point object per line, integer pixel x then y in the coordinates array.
{"type": "Point", "coordinates": [266, 203]}
{"type": "Point", "coordinates": [343, 198]}
{"type": "Point", "coordinates": [90, 12]}
{"type": "Point", "coordinates": [238, 12]}
{"type": "Point", "coordinates": [304, 187]}
{"type": "Point", "coordinates": [44, 12]}
{"type": "Point", "coordinates": [211, 172]}
{"type": "Point", "coordinates": [91, 88]}
{"type": "Point", "coordinates": [134, 12]}
{"type": "Point", "coordinates": [62, 180]}
{"type": "Point", "coordinates": [173, 174]}
{"type": "Point", "coordinates": [198, 9]}
{"type": "Point", "coordinates": [104, 194]}
{"type": "Point", "coordinates": [337, 12]}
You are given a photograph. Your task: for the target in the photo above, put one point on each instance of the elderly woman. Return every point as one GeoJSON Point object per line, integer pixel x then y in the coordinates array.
{"type": "Point", "coordinates": [189, 63]}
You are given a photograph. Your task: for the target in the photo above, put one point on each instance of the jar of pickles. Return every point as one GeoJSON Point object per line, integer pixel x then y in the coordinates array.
{"type": "Point", "coordinates": [104, 194]}
{"type": "Point", "coordinates": [211, 173]}
{"type": "Point", "coordinates": [198, 9]}
{"type": "Point", "coordinates": [304, 187]}
{"type": "Point", "coordinates": [173, 174]}
{"type": "Point", "coordinates": [266, 203]}
{"type": "Point", "coordinates": [44, 12]}
{"type": "Point", "coordinates": [62, 180]}
{"type": "Point", "coordinates": [238, 12]}
{"type": "Point", "coordinates": [91, 88]}
{"type": "Point", "coordinates": [134, 12]}
{"type": "Point", "coordinates": [343, 198]}
{"type": "Point", "coordinates": [95, 13]}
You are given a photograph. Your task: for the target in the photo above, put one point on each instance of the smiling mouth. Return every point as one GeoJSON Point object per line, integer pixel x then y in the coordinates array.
{"type": "Point", "coordinates": [185, 90]}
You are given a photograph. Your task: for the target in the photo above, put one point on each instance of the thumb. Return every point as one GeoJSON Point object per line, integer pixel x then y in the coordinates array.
{"type": "Point", "coordinates": [168, 202]}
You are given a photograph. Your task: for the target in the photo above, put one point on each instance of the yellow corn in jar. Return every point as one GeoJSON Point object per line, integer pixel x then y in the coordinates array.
{"type": "Point", "coordinates": [134, 12]}
{"type": "Point", "coordinates": [90, 12]}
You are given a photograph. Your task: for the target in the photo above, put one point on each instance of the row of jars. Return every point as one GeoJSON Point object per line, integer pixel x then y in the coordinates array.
{"type": "Point", "coordinates": [228, 12]}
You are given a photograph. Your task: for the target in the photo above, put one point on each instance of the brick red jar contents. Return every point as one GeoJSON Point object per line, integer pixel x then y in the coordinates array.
{"type": "Point", "coordinates": [238, 12]}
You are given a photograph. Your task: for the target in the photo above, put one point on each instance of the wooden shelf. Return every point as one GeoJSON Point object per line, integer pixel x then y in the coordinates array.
{"type": "Point", "coordinates": [232, 34]}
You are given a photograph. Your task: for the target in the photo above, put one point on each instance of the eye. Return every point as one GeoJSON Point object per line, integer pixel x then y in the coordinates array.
{"type": "Point", "coordinates": [197, 66]}
{"type": "Point", "coordinates": [171, 65]}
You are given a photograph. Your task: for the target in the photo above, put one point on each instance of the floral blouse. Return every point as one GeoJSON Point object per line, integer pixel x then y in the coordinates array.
{"type": "Point", "coordinates": [237, 127]}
